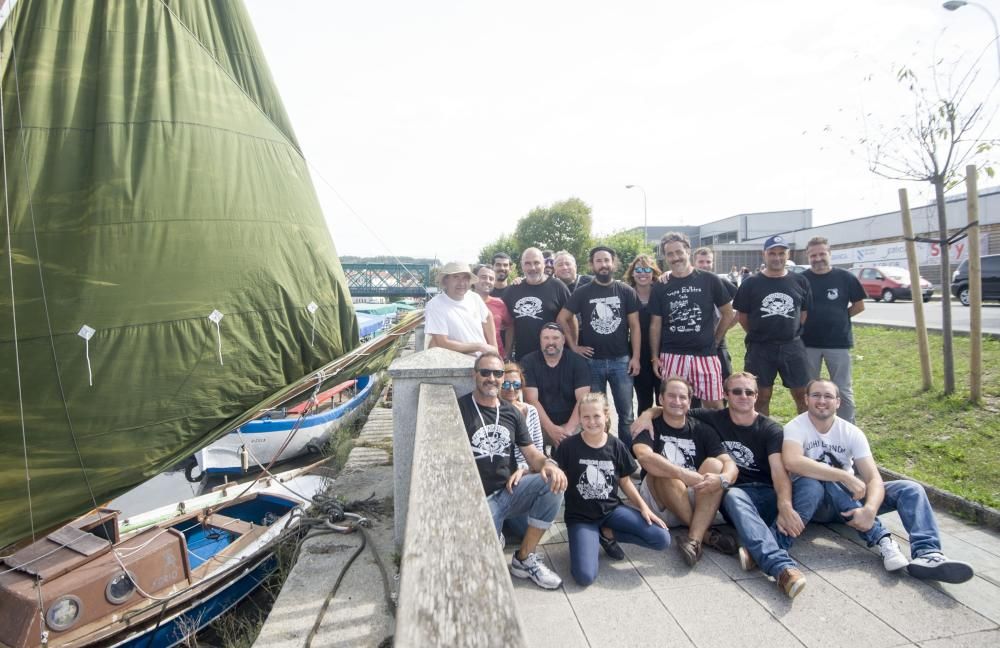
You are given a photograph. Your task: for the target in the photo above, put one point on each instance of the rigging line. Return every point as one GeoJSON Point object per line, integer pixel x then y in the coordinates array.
{"type": "Point", "coordinates": [13, 306]}
{"type": "Point", "coordinates": [41, 280]}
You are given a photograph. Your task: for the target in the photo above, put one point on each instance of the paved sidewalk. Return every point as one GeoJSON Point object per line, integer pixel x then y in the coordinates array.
{"type": "Point", "coordinates": [653, 599]}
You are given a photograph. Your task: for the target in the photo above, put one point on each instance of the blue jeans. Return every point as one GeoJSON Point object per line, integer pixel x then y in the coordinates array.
{"type": "Point", "coordinates": [753, 510]}
{"type": "Point", "coordinates": [628, 525]}
{"type": "Point", "coordinates": [531, 497]}
{"type": "Point", "coordinates": [615, 372]}
{"type": "Point", "coordinates": [904, 496]}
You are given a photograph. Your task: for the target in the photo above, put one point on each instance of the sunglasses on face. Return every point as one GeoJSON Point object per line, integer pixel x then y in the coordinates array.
{"type": "Point", "coordinates": [496, 373]}
{"type": "Point", "coordinates": [507, 384]}
{"type": "Point", "coordinates": [641, 270]}
{"type": "Point", "coordinates": [739, 391]}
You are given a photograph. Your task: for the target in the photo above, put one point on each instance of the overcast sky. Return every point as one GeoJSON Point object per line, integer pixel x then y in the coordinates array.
{"type": "Point", "coordinates": [433, 126]}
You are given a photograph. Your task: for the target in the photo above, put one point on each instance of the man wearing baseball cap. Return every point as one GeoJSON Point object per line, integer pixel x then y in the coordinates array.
{"type": "Point", "coordinates": [772, 307]}
{"type": "Point", "coordinates": [456, 318]}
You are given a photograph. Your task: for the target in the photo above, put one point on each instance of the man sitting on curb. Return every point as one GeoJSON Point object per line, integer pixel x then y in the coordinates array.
{"type": "Point", "coordinates": [821, 446]}
{"type": "Point", "coordinates": [687, 472]}
{"type": "Point", "coordinates": [494, 427]}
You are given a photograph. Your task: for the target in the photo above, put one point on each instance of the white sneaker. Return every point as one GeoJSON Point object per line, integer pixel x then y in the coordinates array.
{"type": "Point", "coordinates": [935, 566]}
{"type": "Point", "coordinates": [534, 568]}
{"type": "Point", "coordinates": [892, 556]}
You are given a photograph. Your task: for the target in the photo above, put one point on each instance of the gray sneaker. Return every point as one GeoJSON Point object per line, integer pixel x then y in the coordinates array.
{"type": "Point", "coordinates": [935, 566]}
{"type": "Point", "coordinates": [534, 568]}
{"type": "Point", "coordinates": [892, 557]}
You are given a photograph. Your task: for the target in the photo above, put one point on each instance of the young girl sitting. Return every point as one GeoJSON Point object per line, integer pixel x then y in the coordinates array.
{"type": "Point", "coordinates": [596, 464]}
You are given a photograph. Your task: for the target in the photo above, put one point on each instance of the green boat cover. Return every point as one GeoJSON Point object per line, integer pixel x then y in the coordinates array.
{"type": "Point", "coordinates": [152, 177]}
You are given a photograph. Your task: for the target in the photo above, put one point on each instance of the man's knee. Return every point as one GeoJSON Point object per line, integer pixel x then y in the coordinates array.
{"type": "Point", "coordinates": [710, 465]}
{"type": "Point", "coordinates": [584, 575]}
{"type": "Point", "coordinates": [658, 538]}
{"type": "Point", "coordinates": [906, 489]}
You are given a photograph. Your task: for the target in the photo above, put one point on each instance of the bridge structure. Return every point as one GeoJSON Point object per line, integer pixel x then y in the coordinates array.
{"type": "Point", "coordinates": [387, 279]}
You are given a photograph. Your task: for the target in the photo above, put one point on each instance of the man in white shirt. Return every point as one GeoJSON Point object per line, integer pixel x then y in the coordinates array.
{"type": "Point", "coordinates": [456, 318]}
{"type": "Point", "coordinates": [821, 446]}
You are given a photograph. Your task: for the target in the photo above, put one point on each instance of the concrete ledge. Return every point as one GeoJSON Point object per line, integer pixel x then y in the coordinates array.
{"type": "Point", "coordinates": [454, 588]}
{"type": "Point", "coordinates": [984, 515]}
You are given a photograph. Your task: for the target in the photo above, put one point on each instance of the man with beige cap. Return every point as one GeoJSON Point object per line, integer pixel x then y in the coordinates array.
{"type": "Point", "coordinates": [457, 318]}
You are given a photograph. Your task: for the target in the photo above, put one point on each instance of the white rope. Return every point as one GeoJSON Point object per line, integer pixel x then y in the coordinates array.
{"type": "Point", "coordinates": [86, 333]}
{"type": "Point", "coordinates": [312, 308]}
{"type": "Point", "coordinates": [215, 316]}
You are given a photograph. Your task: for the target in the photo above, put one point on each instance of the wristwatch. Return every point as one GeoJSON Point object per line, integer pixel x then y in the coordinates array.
{"type": "Point", "coordinates": [723, 481]}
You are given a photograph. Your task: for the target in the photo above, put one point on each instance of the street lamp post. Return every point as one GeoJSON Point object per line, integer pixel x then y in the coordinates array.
{"type": "Point", "coordinates": [955, 5]}
{"type": "Point", "coordinates": [645, 233]}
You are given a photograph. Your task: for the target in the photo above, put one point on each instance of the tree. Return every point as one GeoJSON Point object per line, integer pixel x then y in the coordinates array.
{"type": "Point", "coordinates": [504, 243]}
{"type": "Point", "coordinates": [562, 226]}
{"type": "Point", "coordinates": [627, 243]}
{"type": "Point", "coordinates": [943, 131]}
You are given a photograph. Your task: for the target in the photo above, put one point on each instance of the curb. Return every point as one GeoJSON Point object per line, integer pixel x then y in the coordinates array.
{"type": "Point", "coordinates": [983, 515]}
{"type": "Point", "coordinates": [930, 329]}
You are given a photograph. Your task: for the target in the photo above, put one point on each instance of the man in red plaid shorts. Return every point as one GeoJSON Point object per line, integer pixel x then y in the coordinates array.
{"type": "Point", "coordinates": [683, 334]}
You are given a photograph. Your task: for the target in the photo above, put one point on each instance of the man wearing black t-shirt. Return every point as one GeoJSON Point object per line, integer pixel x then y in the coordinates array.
{"type": "Point", "coordinates": [566, 271]}
{"type": "Point", "coordinates": [684, 336]}
{"type": "Point", "coordinates": [494, 428]}
{"type": "Point", "coordinates": [837, 297]}
{"type": "Point", "coordinates": [684, 460]}
{"type": "Point", "coordinates": [609, 338]}
{"type": "Point", "coordinates": [555, 379]}
{"type": "Point", "coordinates": [704, 259]}
{"type": "Point", "coordinates": [532, 303]}
{"type": "Point", "coordinates": [771, 307]}
{"type": "Point", "coordinates": [760, 504]}
{"type": "Point", "coordinates": [501, 270]}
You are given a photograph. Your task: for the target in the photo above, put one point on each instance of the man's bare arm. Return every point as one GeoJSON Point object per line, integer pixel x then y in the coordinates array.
{"type": "Point", "coordinates": [744, 320]}
{"type": "Point", "coordinates": [856, 308]}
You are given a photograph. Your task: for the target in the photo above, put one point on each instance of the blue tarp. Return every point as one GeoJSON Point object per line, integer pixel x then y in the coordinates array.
{"type": "Point", "coordinates": [369, 324]}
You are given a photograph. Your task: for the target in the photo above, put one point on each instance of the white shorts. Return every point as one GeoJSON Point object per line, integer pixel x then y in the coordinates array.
{"type": "Point", "coordinates": [666, 514]}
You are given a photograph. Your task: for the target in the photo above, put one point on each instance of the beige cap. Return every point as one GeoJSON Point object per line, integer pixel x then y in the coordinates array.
{"type": "Point", "coordinates": [455, 267]}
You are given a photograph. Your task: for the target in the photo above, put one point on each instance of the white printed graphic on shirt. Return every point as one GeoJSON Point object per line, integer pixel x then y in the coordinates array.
{"type": "Point", "coordinates": [685, 317]}
{"type": "Point", "coordinates": [598, 480]}
{"type": "Point", "coordinates": [607, 315]}
{"type": "Point", "coordinates": [832, 293]}
{"type": "Point", "coordinates": [491, 441]}
{"type": "Point", "coordinates": [679, 452]}
{"type": "Point", "coordinates": [528, 307]}
{"type": "Point", "coordinates": [742, 455]}
{"type": "Point", "coordinates": [778, 304]}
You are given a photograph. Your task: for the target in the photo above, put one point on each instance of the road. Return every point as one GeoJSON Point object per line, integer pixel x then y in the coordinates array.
{"type": "Point", "coordinates": [901, 314]}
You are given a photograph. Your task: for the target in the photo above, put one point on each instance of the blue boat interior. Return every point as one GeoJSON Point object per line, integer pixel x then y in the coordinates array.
{"type": "Point", "coordinates": [205, 542]}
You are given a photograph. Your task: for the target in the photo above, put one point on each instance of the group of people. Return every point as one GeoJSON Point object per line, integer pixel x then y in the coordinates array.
{"type": "Point", "coordinates": [550, 345]}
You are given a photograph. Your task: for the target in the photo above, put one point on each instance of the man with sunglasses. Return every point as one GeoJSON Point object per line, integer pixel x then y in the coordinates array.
{"type": "Point", "coordinates": [822, 449]}
{"type": "Point", "coordinates": [495, 429]}
{"type": "Point", "coordinates": [760, 504]}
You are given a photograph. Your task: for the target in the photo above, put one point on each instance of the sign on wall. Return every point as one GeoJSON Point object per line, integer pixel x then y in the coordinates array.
{"type": "Point", "coordinates": [895, 253]}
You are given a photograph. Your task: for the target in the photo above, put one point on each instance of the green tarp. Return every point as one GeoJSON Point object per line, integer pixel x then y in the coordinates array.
{"type": "Point", "coordinates": [152, 178]}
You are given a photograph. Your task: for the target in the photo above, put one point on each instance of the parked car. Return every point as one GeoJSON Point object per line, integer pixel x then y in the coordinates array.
{"type": "Point", "coordinates": [989, 267]}
{"type": "Point", "coordinates": [888, 283]}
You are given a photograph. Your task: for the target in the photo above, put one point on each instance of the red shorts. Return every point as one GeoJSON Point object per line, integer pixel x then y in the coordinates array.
{"type": "Point", "coordinates": [703, 372]}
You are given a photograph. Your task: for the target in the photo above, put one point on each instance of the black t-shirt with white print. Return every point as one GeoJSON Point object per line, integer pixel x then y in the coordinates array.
{"type": "Point", "coordinates": [532, 307]}
{"type": "Point", "coordinates": [592, 476]}
{"type": "Point", "coordinates": [773, 306]}
{"type": "Point", "coordinates": [686, 447]}
{"type": "Point", "coordinates": [604, 312]}
{"type": "Point", "coordinates": [828, 325]}
{"type": "Point", "coordinates": [748, 445]}
{"type": "Point", "coordinates": [492, 440]}
{"type": "Point", "coordinates": [687, 306]}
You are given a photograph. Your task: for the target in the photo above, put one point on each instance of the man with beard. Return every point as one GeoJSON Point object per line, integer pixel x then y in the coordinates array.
{"type": "Point", "coordinates": [566, 271]}
{"type": "Point", "coordinates": [760, 504]}
{"type": "Point", "coordinates": [485, 278]}
{"type": "Point", "coordinates": [704, 259]}
{"type": "Point", "coordinates": [609, 337]}
{"type": "Point", "coordinates": [457, 319]}
{"type": "Point", "coordinates": [684, 336]}
{"type": "Point", "coordinates": [837, 297]}
{"type": "Point", "coordinates": [501, 268]}
{"type": "Point", "coordinates": [495, 427]}
{"type": "Point", "coordinates": [821, 446]}
{"type": "Point", "coordinates": [532, 303]}
{"type": "Point", "coordinates": [772, 308]}
{"type": "Point", "coordinates": [555, 379]}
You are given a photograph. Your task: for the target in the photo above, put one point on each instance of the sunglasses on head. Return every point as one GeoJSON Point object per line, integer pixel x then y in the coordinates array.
{"type": "Point", "coordinates": [508, 384]}
{"type": "Point", "coordinates": [496, 373]}
{"type": "Point", "coordinates": [739, 391]}
{"type": "Point", "coordinates": [642, 270]}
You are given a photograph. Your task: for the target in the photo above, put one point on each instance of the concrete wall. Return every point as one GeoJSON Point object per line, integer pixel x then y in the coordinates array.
{"type": "Point", "coordinates": [454, 587]}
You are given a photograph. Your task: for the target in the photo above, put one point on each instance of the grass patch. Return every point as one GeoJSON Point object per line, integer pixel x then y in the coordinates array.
{"type": "Point", "coordinates": [943, 441]}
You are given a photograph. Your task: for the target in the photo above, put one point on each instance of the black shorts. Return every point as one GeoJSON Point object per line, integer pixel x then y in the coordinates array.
{"type": "Point", "coordinates": [766, 360]}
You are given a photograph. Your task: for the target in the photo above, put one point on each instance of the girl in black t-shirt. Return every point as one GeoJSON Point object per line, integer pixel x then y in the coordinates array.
{"type": "Point", "coordinates": [596, 464]}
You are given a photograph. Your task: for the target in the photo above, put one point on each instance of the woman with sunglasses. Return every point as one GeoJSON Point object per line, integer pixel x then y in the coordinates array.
{"type": "Point", "coordinates": [641, 274]}
{"type": "Point", "coordinates": [510, 391]}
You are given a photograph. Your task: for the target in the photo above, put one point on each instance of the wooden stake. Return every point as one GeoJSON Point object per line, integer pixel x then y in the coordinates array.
{"type": "Point", "coordinates": [923, 345]}
{"type": "Point", "coordinates": [975, 289]}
